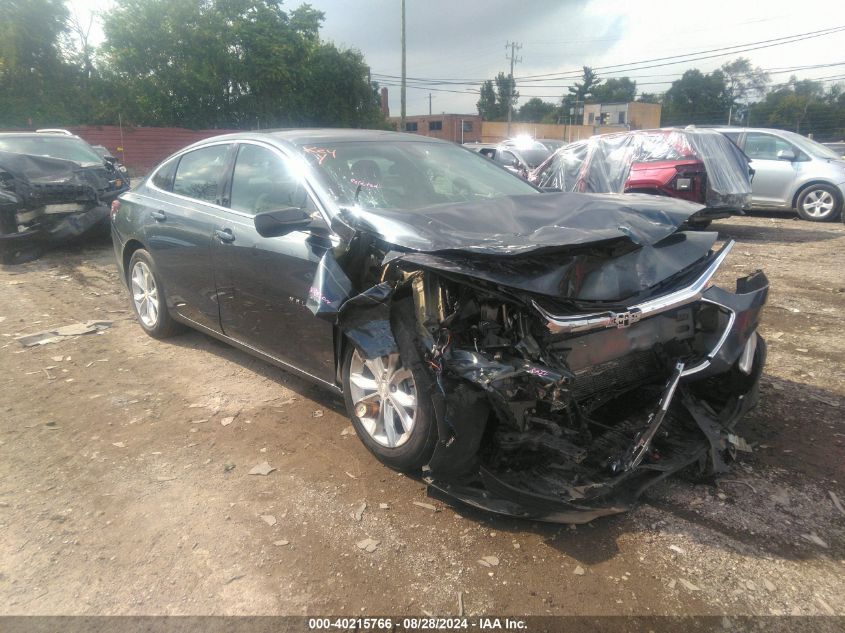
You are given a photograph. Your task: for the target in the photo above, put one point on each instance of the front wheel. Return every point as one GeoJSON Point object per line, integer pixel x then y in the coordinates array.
{"type": "Point", "coordinates": [819, 203]}
{"type": "Point", "coordinates": [390, 409]}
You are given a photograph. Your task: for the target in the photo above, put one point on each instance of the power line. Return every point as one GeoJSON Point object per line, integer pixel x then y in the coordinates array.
{"type": "Point", "coordinates": [696, 56]}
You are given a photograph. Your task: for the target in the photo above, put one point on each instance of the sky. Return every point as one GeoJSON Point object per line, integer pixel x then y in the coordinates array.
{"type": "Point", "coordinates": [450, 42]}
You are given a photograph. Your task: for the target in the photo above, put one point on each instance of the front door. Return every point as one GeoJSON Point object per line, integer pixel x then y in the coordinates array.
{"type": "Point", "coordinates": [774, 178]}
{"type": "Point", "coordinates": [263, 283]}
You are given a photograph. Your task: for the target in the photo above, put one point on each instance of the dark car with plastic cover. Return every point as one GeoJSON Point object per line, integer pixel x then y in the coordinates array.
{"type": "Point", "coordinates": [699, 165]}
{"type": "Point", "coordinates": [53, 188]}
{"type": "Point", "coordinates": [537, 355]}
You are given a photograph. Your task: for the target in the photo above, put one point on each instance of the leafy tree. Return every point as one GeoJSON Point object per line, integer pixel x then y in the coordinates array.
{"type": "Point", "coordinates": [743, 82]}
{"type": "Point", "coordinates": [35, 82]}
{"type": "Point", "coordinates": [614, 90]}
{"type": "Point", "coordinates": [802, 106]}
{"type": "Point", "coordinates": [584, 88]}
{"type": "Point", "coordinates": [506, 93]}
{"type": "Point", "coordinates": [697, 98]}
{"type": "Point", "coordinates": [650, 97]}
{"type": "Point", "coordinates": [232, 63]}
{"type": "Point", "coordinates": [487, 108]}
{"type": "Point", "coordinates": [494, 96]}
{"type": "Point", "coordinates": [536, 110]}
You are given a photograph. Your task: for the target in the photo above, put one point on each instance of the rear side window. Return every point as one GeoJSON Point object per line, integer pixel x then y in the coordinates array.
{"type": "Point", "coordinates": [263, 181]}
{"type": "Point", "coordinates": [163, 178]}
{"type": "Point", "coordinates": [199, 172]}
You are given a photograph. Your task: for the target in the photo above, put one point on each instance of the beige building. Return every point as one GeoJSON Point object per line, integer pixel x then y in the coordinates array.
{"type": "Point", "coordinates": [633, 115]}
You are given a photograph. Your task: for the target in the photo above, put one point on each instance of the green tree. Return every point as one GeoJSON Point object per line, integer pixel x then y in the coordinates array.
{"type": "Point", "coordinates": [621, 90]}
{"type": "Point", "coordinates": [232, 63]}
{"type": "Point", "coordinates": [742, 83]}
{"type": "Point", "coordinates": [506, 93]}
{"type": "Point", "coordinates": [36, 84]}
{"type": "Point", "coordinates": [494, 96]}
{"type": "Point", "coordinates": [487, 108]}
{"type": "Point", "coordinates": [696, 98]}
{"type": "Point", "coordinates": [536, 110]}
{"type": "Point", "coordinates": [584, 88]}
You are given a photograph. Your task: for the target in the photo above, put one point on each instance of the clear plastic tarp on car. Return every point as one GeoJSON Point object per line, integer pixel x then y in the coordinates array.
{"type": "Point", "coordinates": [602, 164]}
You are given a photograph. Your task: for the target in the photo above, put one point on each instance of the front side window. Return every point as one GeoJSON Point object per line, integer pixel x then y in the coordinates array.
{"type": "Point", "coordinates": [198, 174]}
{"type": "Point", "coordinates": [766, 146]}
{"type": "Point", "coordinates": [264, 181]}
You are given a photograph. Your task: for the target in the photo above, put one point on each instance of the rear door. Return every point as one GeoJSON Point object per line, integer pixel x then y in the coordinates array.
{"type": "Point", "coordinates": [263, 283]}
{"type": "Point", "coordinates": [774, 179]}
{"type": "Point", "coordinates": [179, 227]}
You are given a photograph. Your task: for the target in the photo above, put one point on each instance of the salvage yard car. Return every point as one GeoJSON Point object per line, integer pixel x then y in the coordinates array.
{"type": "Point", "coordinates": [536, 355]}
{"type": "Point", "coordinates": [792, 172]}
{"type": "Point", "coordinates": [692, 164]}
{"type": "Point", "coordinates": [53, 188]}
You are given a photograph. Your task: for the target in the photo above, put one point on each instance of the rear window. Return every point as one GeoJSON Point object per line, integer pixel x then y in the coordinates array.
{"type": "Point", "coordinates": [163, 178]}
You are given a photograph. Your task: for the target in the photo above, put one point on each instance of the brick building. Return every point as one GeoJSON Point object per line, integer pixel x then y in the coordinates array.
{"type": "Point", "coordinates": [459, 128]}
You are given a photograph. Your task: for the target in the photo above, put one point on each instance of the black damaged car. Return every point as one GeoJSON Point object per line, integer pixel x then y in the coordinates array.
{"type": "Point", "coordinates": [54, 188]}
{"type": "Point", "coordinates": [542, 355]}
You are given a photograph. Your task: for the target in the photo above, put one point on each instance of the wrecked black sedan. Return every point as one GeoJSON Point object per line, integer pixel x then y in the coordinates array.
{"type": "Point", "coordinates": [542, 355]}
{"type": "Point", "coordinates": [54, 188]}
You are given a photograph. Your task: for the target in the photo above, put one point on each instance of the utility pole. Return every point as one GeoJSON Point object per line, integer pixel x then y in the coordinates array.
{"type": "Point", "coordinates": [402, 91]}
{"type": "Point", "coordinates": [429, 104]}
{"type": "Point", "coordinates": [513, 59]}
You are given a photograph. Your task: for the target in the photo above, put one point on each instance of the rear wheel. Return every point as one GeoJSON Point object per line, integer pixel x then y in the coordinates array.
{"type": "Point", "coordinates": [819, 203]}
{"type": "Point", "coordinates": [146, 295]}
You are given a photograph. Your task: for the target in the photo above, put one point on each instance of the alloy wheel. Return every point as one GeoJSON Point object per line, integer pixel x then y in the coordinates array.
{"type": "Point", "coordinates": [145, 294]}
{"type": "Point", "coordinates": [384, 395]}
{"type": "Point", "coordinates": [818, 203]}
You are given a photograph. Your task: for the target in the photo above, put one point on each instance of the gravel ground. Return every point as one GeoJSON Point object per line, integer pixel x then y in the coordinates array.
{"type": "Point", "coordinates": [124, 485]}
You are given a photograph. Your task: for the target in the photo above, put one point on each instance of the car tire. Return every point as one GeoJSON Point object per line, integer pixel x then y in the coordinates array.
{"type": "Point", "coordinates": [384, 431]}
{"type": "Point", "coordinates": [819, 203]}
{"type": "Point", "coordinates": [147, 298]}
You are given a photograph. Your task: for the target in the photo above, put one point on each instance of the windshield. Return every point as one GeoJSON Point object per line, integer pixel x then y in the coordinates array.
{"type": "Point", "coordinates": [810, 146]}
{"type": "Point", "coordinates": [409, 175]}
{"type": "Point", "coordinates": [64, 147]}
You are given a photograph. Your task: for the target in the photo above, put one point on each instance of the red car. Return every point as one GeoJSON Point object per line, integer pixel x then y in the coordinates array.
{"type": "Point", "coordinates": [701, 166]}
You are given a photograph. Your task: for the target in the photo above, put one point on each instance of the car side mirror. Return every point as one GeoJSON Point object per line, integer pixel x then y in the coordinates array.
{"type": "Point", "coordinates": [786, 154]}
{"type": "Point", "coordinates": [110, 159]}
{"type": "Point", "coordinates": [278, 222]}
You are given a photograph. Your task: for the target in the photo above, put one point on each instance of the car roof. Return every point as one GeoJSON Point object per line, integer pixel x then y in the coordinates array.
{"type": "Point", "coordinates": [38, 135]}
{"type": "Point", "coordinates": [303, 136]}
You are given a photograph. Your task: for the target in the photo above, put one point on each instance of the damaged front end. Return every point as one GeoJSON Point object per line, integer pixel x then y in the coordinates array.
{"type": "Point", "coordinates": [555, 399]}
{"type": "Point", "coordinates": [48, 201]}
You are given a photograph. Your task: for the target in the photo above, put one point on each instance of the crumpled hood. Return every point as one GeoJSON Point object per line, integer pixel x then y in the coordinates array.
{"type": "Point", "coordinates": [40, 179]}
{"type": "Point", "coordinates": [516, 225]}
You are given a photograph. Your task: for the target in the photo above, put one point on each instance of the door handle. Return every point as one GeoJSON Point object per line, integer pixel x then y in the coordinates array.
{"type": "Point", "coordinates": [158, 216]}
{"type": "Point", "coordinates": [224, 235]}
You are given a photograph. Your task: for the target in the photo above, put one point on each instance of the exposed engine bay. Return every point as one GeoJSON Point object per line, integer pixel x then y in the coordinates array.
{"type": "Point", "coordinates": [564, 380]}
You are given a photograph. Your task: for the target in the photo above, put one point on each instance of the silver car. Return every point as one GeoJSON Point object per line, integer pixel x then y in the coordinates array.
{"type": "Point", "coordinates": [792, 172]}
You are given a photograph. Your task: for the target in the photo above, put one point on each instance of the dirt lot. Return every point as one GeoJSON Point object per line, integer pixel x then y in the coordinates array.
{"type": "Point", "coordinates": [124, 485]}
